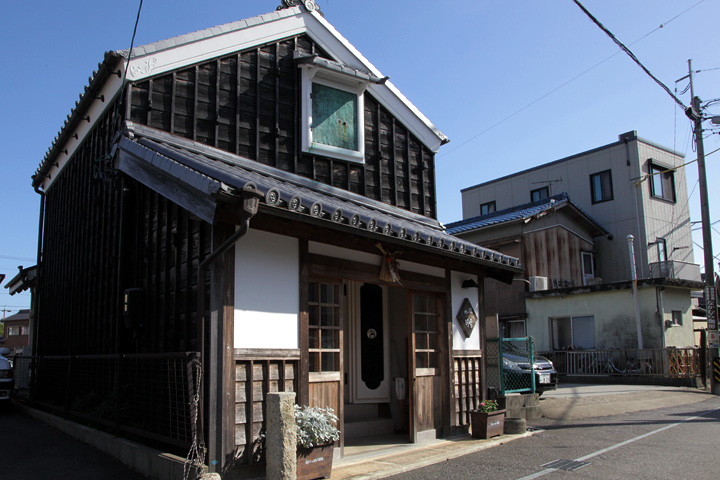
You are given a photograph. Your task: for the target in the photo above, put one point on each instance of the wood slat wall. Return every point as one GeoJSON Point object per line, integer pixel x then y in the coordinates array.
{"type": "Point", "coordinates": [79, 304]}
{"type": "Point", "coordinates": [248, 104]}
{"type": "Point", "coordinates": [165, 245]}
{"type": "Point", "coordinates": [555, 253]}
{"type": "Point", "coordinates": [254, 379]}
{"type": "Point", "coordinates": [104, 233]}
{"type": "Point", "coordinates": [467, 385]}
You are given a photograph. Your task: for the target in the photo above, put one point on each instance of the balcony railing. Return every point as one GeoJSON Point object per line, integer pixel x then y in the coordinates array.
{"type": "Point", "coordinates": [675, 269]}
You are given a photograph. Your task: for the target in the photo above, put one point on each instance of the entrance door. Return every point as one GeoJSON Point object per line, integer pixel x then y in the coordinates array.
{"type": "Point", "coordinates": [370, 370]}
{"type": "Point", "coordinates": [424, 360]}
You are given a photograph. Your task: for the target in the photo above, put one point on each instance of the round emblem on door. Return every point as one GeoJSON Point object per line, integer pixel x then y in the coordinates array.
{"type": "Point", "coordinates": [371, 334]}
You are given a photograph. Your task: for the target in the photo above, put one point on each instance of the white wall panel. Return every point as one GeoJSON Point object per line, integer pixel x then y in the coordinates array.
{"type": "Point", "coordinates": [267, 286]}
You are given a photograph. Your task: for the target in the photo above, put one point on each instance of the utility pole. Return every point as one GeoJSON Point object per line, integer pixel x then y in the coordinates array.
{"type": "Point", "coordinates": [695, 115]}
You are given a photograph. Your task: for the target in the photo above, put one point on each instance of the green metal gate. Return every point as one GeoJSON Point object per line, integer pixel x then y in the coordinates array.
{"type": "Point", "coordinates": [510, 365]}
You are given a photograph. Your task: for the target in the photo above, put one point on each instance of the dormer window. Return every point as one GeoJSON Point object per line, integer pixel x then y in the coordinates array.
{"type": "Point", "coordinates": [333, 109]}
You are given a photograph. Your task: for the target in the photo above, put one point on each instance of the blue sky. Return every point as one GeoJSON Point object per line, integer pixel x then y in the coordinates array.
{"type": "Point", "coordinates": [503, 79]}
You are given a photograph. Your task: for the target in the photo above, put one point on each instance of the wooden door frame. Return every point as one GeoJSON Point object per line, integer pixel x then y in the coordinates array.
{"type": "Point", "coordinates": [441, 299]}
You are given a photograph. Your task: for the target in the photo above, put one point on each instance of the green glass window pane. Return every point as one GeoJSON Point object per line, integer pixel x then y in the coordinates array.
{"type": "Point", "coordinates": [314, 360]}
{"type": "Point", "coordinates": [334, 117]}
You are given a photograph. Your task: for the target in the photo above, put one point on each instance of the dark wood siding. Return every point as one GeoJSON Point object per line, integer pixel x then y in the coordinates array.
{"type": "Point", "coordinates": [248, 104]}
{"type": "Point", "coordinates": [104, 233]}
{"type": "Point", "coordinates": [78, 304]}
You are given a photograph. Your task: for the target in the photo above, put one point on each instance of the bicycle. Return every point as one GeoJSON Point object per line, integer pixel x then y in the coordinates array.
{"type": "Point", "coordinates": [639, 366]}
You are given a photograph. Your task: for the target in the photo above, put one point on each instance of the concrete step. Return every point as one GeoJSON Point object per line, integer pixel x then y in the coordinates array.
{"type": "Point", "coordinates": [366, 427]}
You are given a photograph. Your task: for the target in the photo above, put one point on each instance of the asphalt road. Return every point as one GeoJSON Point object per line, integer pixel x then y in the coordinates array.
{"type": "Point", "coordinates": [31, 450]}
{"type": "Point", "coordinates": [674, 442]}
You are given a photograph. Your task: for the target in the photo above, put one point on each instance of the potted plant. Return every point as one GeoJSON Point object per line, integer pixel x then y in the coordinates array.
{"type": "Point", "coordinates": [487, 421]}
{"type": "Point", "coordinates": [317, 433]}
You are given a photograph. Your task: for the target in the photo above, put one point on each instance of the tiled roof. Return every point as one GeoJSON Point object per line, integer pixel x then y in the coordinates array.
{"type": "Point", "coordinates": [519, 213]}
{"type": "Point", "coordinates": [308, 201]}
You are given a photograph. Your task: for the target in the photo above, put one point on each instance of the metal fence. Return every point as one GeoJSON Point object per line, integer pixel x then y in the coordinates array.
{"type": "Point", "coordinates": [144, 396]}
{"type": "Point", "coordinates": [658, 362]}
{"type": "Point", "coordinates": [510, 365]}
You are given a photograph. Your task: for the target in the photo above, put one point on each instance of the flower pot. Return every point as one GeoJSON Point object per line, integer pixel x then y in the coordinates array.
{"type": "Point", "coordinates": [314, 462]}
{"type": "Point", "coordinates": [487, 425]}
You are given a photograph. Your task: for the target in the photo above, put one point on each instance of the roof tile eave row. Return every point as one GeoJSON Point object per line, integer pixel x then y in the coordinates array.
{"type": "Point", "coordinates": [335, 209]}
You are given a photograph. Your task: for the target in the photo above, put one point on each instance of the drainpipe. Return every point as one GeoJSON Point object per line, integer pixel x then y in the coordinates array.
{"type": "Point", "coordinates": [38, 262]}
{"type": "Point", "coordinates": [661, 312]}
{"type": "Point", "coordinates": [211, 356]}
{"type": "Point", "coordinates": [631, 250]}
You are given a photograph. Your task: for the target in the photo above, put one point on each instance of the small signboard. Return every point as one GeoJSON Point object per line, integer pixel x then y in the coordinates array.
{"type": "Point", "coordinates": [711, 308]}
{"type": "Point", "coordinates": [713, 339]}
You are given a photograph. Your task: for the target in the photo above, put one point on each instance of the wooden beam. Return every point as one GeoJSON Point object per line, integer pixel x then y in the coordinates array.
{"type": "Point", "coordinates": [364, 272]}
{"type": "Point", "coordinates": [483, 339]}
{"type": "Point", "coordinates": [304, 381]}
{"type": "Point", "coordinates": [447, 363]}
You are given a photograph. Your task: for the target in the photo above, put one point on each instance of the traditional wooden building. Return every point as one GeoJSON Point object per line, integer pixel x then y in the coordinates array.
{"type": "Point", "coordinates": [261, 194]}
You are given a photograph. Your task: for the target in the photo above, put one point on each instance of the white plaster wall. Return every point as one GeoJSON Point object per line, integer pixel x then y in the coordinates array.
{"type": "Point", "coordinates": [678, 336]}
{"type": "Point", "coordinates": [267, 289]}
{"type": "Point", "coordinates": [460, 342]}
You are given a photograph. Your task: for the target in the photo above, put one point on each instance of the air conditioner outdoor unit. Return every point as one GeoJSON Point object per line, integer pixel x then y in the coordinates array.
{"type": "Point", "coordinates": [538, 283]}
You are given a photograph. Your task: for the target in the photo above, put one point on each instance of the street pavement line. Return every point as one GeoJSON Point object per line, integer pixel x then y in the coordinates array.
{"type": "Point", "coordinates": [618, 445]}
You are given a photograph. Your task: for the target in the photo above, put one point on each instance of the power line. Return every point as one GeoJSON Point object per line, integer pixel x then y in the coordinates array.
{"type": "Point", "coordinates": [22, 259]}
{"type": "Point", "coordinates": [459, 145]}
{"type": "Point", "coordinates": [628, 52]}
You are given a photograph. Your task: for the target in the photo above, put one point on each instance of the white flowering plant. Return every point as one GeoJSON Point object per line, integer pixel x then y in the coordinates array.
{"type": "Point", "coordinates": [316, 426]}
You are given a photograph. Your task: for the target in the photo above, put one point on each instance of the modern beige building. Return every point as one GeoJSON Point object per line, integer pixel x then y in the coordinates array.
{"type": "Point", "coordinates": [568, 221]}
{"type": "Point", "coordinates": [631, 187]}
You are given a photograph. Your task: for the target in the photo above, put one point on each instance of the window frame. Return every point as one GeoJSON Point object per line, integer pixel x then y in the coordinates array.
{"type": "Point", "coordinates": [554, 337]}
{"type": "Point", "coordinates": [662, 177]}
{"type": "Point", "coordinates": [427, 347]}
{"type": "Point", "coordinates": [317, 351]}
{"type": "Point", "coordinates": [313, 74]}
{"type": "Point", "coordinates": [545, 189]}
{"type": "Point", "coordinates": [492, 207]}
{"type": "Point", "coordinates": [676, 318]}
{"type": "Point", "coordinates": [593, 192]}
{"type": "Point", "coordinates": [661, 249]}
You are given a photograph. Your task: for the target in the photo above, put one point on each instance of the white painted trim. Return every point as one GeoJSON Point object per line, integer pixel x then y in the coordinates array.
{"type": "Point", "coordinates": [166, 60]}
{"type": "Point", "coordinates": [312, 74]}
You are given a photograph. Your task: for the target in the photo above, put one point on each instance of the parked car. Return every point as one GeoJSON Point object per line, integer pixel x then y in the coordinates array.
{"type": "Point", "coordinates": [7, 382]}
{"type": "Point", "coordinates": [516, 369]}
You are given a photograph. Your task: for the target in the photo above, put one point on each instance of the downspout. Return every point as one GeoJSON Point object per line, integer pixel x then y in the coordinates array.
{"type": "Point", "coordinates": [34, 294]}
{"type": "Point", "coordinates": [661, 313]}
{"type": "Point", "coordinates": [635, 197]}
{"type": "Point", "coordinates": [215, 457]}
